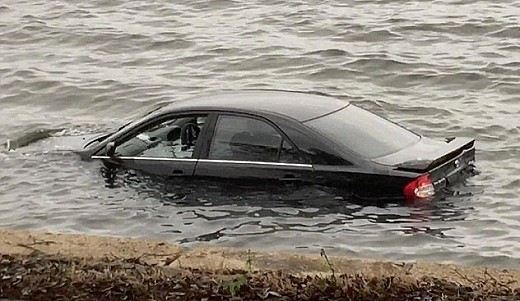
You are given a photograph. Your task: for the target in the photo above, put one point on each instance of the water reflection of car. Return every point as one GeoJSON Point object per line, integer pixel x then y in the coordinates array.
{"type": "Point", "coordinates": [271, 137]}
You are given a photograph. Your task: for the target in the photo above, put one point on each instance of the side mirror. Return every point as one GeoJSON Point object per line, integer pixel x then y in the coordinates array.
{"type": "Point", "coordinates": [111, 149]}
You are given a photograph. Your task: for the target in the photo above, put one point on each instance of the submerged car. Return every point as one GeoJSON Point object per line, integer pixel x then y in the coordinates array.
{"type": "Point", "coordinates": [271, 137]}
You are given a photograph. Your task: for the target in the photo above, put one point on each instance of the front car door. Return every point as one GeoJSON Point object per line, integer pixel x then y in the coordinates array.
{"type": "Point", "coordinates": [252, 150]}
{"type": "Point", "coordinates": [166, 147]}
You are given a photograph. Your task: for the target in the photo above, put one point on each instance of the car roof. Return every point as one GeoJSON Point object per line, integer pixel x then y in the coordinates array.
{"type": "Point", "coordinates": [301, 106]}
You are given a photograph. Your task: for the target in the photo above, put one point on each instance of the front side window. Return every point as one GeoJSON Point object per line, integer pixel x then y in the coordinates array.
{"type": "Point", "coordinates": [247, 139]}
{"type": "Point", "coordinates": [365, 133]}
{"type": "Point", "coordinates": [173, 138]}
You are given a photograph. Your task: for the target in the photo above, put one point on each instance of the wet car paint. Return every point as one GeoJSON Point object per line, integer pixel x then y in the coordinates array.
{"type": "Point", "coordinates": [324, 161]}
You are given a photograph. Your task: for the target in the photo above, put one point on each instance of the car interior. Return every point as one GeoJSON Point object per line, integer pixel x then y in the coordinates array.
{"type": "Point", "coordinates": [245, 139]}
{"type": "Point", "coordinates": [236, 138]}
{"type": "Point", "coordinates": [170, 139]}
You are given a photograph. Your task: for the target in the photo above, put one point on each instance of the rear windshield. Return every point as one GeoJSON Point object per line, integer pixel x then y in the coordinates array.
{"type": "Point", "coordinates": [363, 132]}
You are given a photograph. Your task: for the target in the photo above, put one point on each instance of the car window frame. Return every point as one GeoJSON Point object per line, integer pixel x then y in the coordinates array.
{"type": "Point", "coordinates": [205, 150]}
{"type": "Point", "coordinates": [155, 120]}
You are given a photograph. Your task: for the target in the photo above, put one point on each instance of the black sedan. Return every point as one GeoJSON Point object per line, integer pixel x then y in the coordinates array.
{"type": "Point", "coordinates": [272, 137]}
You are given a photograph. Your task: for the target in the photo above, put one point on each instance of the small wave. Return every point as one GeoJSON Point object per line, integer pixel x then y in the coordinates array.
{"type": "Point", "coordinates": [475, 79]}
{"type": "Point", "coordinates": [4, 9]}
{"type": "Point", "coordinates": [512, 32]}
{"type": "Point", "coordinates": [384, 65]}
{"type": "Point", "coordinates": [268, 61]}
{"type": "Point", "coordinates": [463, 29]}
{"type": "Point", "coordinates": [171, 44]}
{"type": "Point", "coordinates": [511, 48]}
{"type": "Point", "coordinates": [253, 33]}
{"type": "Point", "coordinates": [333, 73]}
{"type": "Point", "coordinates": [73, 14]}
{"type": "Point", "coordinates": [214, 4]}
{"type": "Point", "coordinates": [329, 53]}
{"type": "Point", "coordinates": [373, 36]}
{"type": "Point", "coordinates": [503, 69]}
{"type": "Point", "coordinates": [471, 29]}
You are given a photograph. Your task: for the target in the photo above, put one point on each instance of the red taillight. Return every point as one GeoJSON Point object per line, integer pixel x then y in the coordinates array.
{"type": "Point", "coordinates": [420, 188]}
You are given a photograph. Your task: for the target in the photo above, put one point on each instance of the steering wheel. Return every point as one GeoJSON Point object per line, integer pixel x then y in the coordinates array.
{"type": "Point", "coordinates": [189, 134]}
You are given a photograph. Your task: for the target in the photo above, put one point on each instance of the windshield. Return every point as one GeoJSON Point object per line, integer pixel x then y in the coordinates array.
{"type": "Point", "coordinates": [142, 116]}
{"type": "Point", "coordinates": [363, 132]}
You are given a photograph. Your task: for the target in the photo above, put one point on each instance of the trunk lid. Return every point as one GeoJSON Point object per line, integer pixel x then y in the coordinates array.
{"type": "Point", "coordinates": [445, 161]}
{"type": "Point", "coordinates": [426, 154]}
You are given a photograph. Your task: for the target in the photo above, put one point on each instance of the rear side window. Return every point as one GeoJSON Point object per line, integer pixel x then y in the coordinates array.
{"type": "Point", "coordinates": [247, 139]}
{"type": "Point", "coordinates": [365, 133]}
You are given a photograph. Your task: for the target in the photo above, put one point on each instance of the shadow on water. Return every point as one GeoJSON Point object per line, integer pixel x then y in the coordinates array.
{"type": "Point", "coordinates": [237, 205]}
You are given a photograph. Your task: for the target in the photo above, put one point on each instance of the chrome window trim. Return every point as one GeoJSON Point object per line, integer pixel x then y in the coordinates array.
{"type": "Point", "coordinates": [99, 157]}
{"type": "Point", "coordinates": [256, 163]}
{"type": "Point", "coordinates": [211, 161]}
{"type": "Point", "coordinates": [148, 158]}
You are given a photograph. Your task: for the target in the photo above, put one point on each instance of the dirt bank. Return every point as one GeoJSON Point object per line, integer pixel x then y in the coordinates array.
{"type": "Point", "coordinates": [39, 265]}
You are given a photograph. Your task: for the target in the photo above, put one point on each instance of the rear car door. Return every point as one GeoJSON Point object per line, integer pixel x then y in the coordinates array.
{"type": "Point", "coordinates": [252, 150]}
{"type": "Point", "coordinates": [166, 147]}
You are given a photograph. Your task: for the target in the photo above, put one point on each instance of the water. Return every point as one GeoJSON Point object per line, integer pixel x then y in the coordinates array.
{"type": "Point", "coordinates": [442, 68]}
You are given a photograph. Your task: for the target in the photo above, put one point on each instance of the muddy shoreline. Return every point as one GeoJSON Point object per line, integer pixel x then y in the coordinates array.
{"type": "Point", "coordinates": [47, 266]}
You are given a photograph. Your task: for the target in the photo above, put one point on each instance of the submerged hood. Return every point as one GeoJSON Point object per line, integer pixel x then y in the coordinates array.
{"type": "Point", "coordinates": [426, 154]}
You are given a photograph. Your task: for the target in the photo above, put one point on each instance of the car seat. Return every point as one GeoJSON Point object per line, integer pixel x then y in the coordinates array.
{"type": "Point", "coordinates": [189, 134]}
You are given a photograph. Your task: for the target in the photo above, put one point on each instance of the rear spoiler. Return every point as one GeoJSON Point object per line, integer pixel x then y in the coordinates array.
{"type": "Point", "coordinates": [454, 147]}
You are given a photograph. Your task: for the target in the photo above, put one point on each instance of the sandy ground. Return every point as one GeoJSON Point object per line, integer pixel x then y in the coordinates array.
{"type": "Point", "coordinates": [212, 258]}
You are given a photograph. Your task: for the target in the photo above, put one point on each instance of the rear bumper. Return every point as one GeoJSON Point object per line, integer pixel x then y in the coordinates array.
{"type": "Point", "coordinates": [455, 170]}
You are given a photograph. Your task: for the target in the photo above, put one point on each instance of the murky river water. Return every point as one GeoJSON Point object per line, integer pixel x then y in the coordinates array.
{"type": "Point", "coordinates": [443, 68]}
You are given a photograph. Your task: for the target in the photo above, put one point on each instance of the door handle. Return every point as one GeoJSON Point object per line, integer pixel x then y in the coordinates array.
{"type": "Point", "coordinates": [177, 172]}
